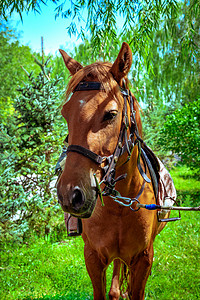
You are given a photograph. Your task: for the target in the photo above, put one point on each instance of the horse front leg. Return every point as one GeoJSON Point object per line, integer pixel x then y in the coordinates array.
{"type": "Point", "coordinates": [114, 292]}
{"type": "Point", "coordinates": [139, 273]}
{"type": "Point", "coordinates": [97, 272]}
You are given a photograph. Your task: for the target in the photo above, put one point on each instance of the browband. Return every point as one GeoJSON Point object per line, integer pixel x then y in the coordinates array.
{"type": "Point", "coordinates": [88, 86]}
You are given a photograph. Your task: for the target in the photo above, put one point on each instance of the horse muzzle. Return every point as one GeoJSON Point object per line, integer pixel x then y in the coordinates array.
{"type": "Point", "coordinates": [76, 200]}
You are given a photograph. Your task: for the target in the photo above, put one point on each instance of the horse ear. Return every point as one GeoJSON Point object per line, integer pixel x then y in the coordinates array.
{"type": "Point", "coordinates": [72, 65]}
{"type": "Point", "coordinates": [122, 64]}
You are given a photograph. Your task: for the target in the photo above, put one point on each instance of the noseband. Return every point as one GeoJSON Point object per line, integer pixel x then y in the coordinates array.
{"type": "Point", "coordinates": [110, 162]}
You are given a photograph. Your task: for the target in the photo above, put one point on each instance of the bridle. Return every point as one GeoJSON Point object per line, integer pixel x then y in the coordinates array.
{"type": "Point", "coordinates": [124, 144]}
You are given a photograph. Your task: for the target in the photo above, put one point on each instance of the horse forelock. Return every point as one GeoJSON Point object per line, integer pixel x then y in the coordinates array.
{"type": "Point", "coordinates": [98, 71]}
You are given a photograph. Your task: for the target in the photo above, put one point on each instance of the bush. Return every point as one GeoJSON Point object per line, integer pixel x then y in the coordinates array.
{"type": "Point", "coordinates": [180, 134]}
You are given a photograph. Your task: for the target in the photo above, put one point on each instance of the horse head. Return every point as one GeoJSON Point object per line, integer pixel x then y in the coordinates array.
{"type": "Point", "coordinates": [94, 116]}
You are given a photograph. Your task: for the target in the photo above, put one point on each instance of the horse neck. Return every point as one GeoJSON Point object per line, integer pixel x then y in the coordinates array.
{"type": "Point", "coordinates": [133, 181]}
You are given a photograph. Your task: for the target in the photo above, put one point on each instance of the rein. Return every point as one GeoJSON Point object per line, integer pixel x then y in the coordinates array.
{"type": "Point", "coordinates": [109, 169]}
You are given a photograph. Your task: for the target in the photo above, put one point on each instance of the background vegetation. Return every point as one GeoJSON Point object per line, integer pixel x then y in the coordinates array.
{"type": "Point", "coordinates": [37, 259]}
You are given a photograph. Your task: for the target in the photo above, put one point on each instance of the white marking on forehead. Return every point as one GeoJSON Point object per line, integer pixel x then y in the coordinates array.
{"type": "Point", "coordinates": [82, 102]}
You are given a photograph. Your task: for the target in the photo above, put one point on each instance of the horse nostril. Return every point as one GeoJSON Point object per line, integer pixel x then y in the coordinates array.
{"type": "Point", "coordinates": [78, 198]}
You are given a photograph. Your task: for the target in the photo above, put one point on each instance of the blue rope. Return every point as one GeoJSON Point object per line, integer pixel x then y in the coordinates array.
{"type": "Point", "coordinates": [152, 206]}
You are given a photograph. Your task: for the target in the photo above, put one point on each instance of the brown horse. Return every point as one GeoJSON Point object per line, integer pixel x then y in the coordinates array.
{"type": "Point", "coordinates": [104, 147]}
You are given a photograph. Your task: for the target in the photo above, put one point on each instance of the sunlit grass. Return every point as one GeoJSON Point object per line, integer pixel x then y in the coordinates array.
{"type": "Point", "coordinates": [185, 180]}
{"type": "Point", "coordinates": [57, 271]}
{"type": "Point", "coordinates": [46, 270]}
{"type": "Point", "coordinates": [176, 273]}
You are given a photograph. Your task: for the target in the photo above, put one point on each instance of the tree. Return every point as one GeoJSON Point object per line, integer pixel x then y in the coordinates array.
{"type": "Point", "coordinates": [174, 80]}
{"type": "Point", "coordinates": [30, 148]}
{"type": "Point", "coordinates": [12, 56]}
{"type": "Point", "coordinates": [181, 134]}
{"type": "Point", "coordinates": [138, 20]}
{"type": "Point", "coordinates": [7, 7]}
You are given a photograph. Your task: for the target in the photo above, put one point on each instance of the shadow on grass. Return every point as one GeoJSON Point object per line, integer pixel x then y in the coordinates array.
{"type": "Point", "coordinates": [72, 295]}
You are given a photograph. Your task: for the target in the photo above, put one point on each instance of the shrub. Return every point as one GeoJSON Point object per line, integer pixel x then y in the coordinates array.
{"type": "Point", "coordinates": [180, 133]}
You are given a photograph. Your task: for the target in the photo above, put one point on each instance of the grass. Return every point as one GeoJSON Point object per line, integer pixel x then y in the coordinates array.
{"type": "Point", "coordinates": [185, 180]}
{"type": "Point", "coordinates": [176, 273]}
{"type": "Point", "coordinates": [41, 269]}
{"type": "Point", "coordinates": [46, 270]}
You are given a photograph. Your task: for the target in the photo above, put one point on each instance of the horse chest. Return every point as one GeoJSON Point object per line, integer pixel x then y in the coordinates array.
{"type": "Point", "coordinates": [119, 235]}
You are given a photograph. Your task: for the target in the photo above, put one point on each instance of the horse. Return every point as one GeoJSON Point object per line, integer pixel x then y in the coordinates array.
{"type": "Point", "coordinates": [105, 175]}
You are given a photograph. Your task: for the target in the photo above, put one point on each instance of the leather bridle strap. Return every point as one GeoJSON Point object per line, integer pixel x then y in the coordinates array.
{"type": "Point", "coordinates": [88, 86]}
{"type": "Point", "coordinates": [87, 153]}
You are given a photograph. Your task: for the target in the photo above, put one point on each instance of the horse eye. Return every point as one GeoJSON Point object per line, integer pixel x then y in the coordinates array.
{"type": "Point", "coordinates": [109, 115]}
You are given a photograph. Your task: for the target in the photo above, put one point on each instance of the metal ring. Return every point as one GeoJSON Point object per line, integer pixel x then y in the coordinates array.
{"type": "Point", "coordinates": [133, 201]}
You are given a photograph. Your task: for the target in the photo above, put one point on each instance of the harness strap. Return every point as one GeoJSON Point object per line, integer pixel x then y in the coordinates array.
{"type": "Point", "coordinates": [87, 153]}
{"type": "Point", "coordinates": [109, 177]}
{"type": "Point", "coordinates": [152, 172]}
{"type": "Point", "coordinates": [142, 173]}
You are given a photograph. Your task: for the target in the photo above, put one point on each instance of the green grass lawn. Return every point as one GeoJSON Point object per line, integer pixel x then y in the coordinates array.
{"type": "Point", "coordinates": [45, 270]}
{"type": "Point", "coordinates": [185, 180]}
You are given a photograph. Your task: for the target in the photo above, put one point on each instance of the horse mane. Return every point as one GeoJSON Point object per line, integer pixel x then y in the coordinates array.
{"type": "Point", "coordinates": [99, 71]}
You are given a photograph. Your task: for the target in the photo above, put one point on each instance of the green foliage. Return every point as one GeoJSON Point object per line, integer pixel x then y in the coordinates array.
{"type": "Point", "coordinates": [7, 7]}
{"type": "Point", "coordinates": [175, 263]}
{"type": "Point", "coordinates": [12, 56]}
{"type": "Point", "coordinates": [30, 146]}
{"type": "Point", "coordinates": [140, 17]}
{"type": "Point", "coordinates": [138, 21]}
{"type": "Point", "coordinates": [175, 75]}
{"type": "Point", "coordinates": [134, 21]}
{"type": "Point", "coordinates": [181, 133]}
{"type": "Point", "coordinates": [173, 80]}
